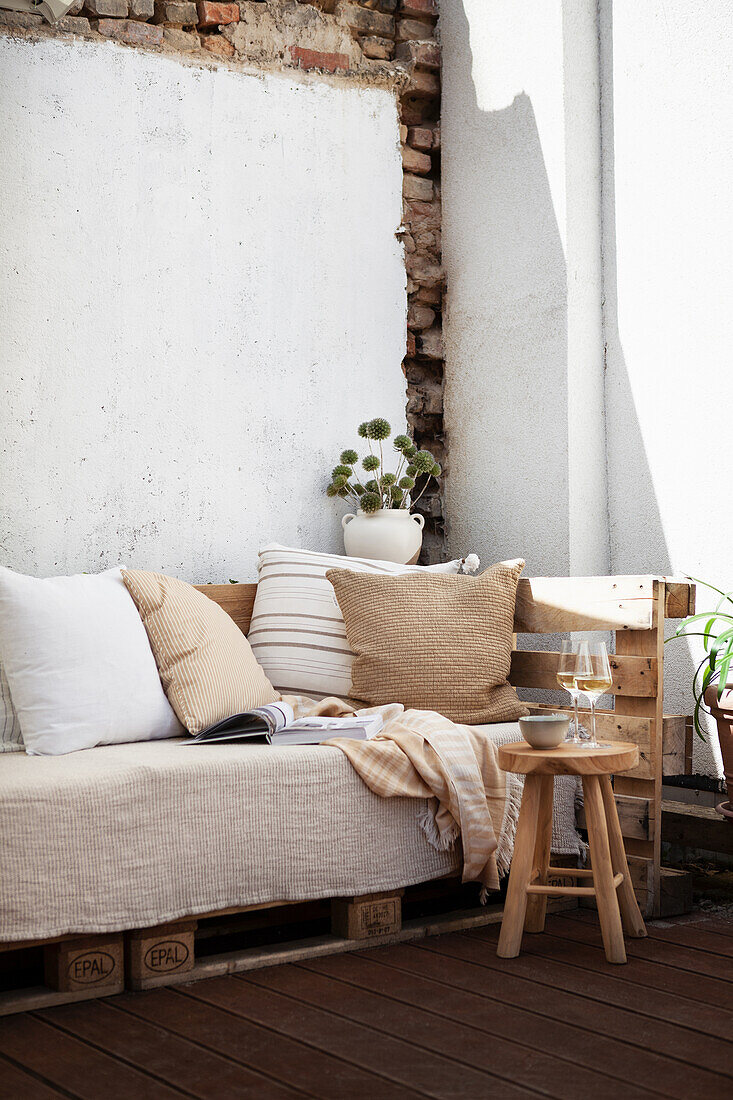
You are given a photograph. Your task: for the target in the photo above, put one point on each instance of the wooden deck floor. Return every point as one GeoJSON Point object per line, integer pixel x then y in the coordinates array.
{"type": "Point", "coordinates": [439, 1018]}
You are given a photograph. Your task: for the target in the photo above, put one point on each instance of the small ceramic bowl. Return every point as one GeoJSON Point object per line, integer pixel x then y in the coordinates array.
{"type": "Point", "coordinates": [544, 731]}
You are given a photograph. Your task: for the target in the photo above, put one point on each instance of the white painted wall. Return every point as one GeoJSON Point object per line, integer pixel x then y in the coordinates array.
{"type": "Point", "coordinates": [202, 296]}
{"type": "Point", "coordinates": [668, 250]}
{"type": "Point", "coordinates": [521, 195]}
{"type": "Point", "coordinates": [545, 460]}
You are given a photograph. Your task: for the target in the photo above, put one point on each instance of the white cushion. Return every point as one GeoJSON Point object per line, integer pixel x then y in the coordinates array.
{"type": "Point", "coordinates": [11, 739]}
{"type": "Point", "coordinates": [297, 631]}
{"type": "Point", "coordinates": [79, 664]}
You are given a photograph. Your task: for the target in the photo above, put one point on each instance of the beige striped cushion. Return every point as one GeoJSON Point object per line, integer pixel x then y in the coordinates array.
{"type": "Point", "coordinates": [297, 631]}
{"type": "Point", "coordinates": [434, 643]}
{"type": "Point", "coordinates": [206, 665]}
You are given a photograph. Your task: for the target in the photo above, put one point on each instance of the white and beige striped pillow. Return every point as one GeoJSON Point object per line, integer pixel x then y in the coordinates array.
{"type": "Point", "coordinates": [297, 631]}
{"type": "Point", "coordinates": [206, 665]}
{"type": "Point", "coordinates": [11, 739]}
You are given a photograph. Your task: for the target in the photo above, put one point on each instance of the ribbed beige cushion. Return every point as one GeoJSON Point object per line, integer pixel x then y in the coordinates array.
{"type": "Point", "coordinates": [433, 642]}
{"type": "Point", "coordinates": [206, 665]}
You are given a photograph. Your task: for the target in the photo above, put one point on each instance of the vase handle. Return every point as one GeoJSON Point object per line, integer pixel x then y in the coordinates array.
{"type": "Point", "coordinates": [349, 516]}
{"type": "Point", "coordinates": [419, 519]}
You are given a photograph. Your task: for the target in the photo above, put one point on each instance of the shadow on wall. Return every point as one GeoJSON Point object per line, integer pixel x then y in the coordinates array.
{"type": "Point", "coordinates": [644, 549]}
{"type": "Point", "coordinates": [506, 386]}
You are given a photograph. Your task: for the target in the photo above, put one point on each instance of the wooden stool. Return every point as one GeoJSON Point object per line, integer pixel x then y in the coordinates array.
{"type": "Point", "coordinates": [528, 890]}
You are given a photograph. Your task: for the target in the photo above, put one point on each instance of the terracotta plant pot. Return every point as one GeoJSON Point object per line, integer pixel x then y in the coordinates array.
{"type": "Point", "coordinates": [391, 534]}
{"type": "Point", "coordinates": [722, 711]}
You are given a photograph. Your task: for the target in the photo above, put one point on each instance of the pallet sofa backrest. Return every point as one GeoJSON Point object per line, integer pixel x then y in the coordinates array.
{"type": "Point", "coordinates": [634, 608]}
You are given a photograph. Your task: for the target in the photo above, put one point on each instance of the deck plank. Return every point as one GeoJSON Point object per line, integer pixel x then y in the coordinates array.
{"type": "Point", "coordinates": [607, 1062]}
{"type": "Point", "coordinates": [600, 986]}
{"type": "Point", "coordinates": [16, 1083]}
{"type": "Point", "coordinates": [399, 1062]}
{"type": "Point", "coordinates": [570, 946]}
{"type": "Point", "coordinates": [442, 1032]}
{"type": "Point", "coordinates": [75, 1066]}
{"type": "Point", "coordinates": [685, 946]}
{"type": "Point", "coordinates": [178, 1062]}
{"type": "Point", "coordinates": [189, 1012]}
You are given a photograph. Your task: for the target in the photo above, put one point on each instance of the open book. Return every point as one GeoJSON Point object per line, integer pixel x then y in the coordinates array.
{"type": "Point", "coordinates": [275, 725]}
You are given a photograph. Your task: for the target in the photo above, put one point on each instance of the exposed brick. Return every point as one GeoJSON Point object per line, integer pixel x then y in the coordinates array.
{"type": "Point", "coordinates": [130, 31]}
{"type": "Point", "coordinates": [314, 59]}
{"type": "Point", "coordinates": [379, 49]}
{"type": "Point", "coordinates": [420, 137]}
{"type": "Point", "coordinates": [410, 348]}
{"type": "Point", "coordinates": [412, 28]}
{"type": "Point", "coordinates": [181, 40]}
{"type": "Point", "coordinates": [419, 7]}
{"type": "Point", "coordinates": [24, 19]}
{"type": "Point", "coordinates": [389, 5]}
{"type": "Point", "coordinates": [416, 110]}
{"type": "Point", "coordinates": [75, 7]}
{"type": "Point", "coordinates": [415, 187]}
{"type": "Point", "coordinates": [141, 9]}
{"type": "Point", "coordinates": [403, 133]}
{"type": "Point", "coordinates": [181, 12]}
{"type": "Point", "coordinates": [430, 344]}
{"type": "Point", "coordinates": [426, 54]}
{"type": "Point", "coordinates": [113, 9]}
{"type": "Point", "coordinates": [424, 83]}
{"type": "Point", "coordinates": [217, 45]}
{"type": "Point", "coordinates": [73, 24]}
{"type": "Point", "coordinates": [420, 316]}
{"type": "Point", "coordinates": [431, 295]}
{"type": "Point", "coordinates": [420, 216]}
{"type": "Point", "coordinates": [436, 137]}
{"type": "Point", "coordinates": [365, 21]}
{"type": "Point", "coordinates": [212, 14]}
{"type": "Point", "coordinates": [412, 161]}
{"type": "Point", "coordinates": [424, 270]}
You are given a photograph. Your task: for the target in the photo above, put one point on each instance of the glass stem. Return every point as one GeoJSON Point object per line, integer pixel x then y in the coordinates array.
{"type": "Point", "coordinates": [577, 717]}
{"type": "Point", "coordinates": [593, 720]}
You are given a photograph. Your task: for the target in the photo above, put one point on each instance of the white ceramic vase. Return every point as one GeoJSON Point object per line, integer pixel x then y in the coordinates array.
{"type": "Point", "coordinates": [391, 534]}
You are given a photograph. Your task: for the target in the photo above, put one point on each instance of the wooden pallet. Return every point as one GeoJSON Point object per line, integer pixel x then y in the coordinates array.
{"type": "Point", "coordinates": [81, 968]}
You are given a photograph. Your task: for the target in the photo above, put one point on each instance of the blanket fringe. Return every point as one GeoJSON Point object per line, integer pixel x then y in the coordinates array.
{"type": "Point", "coordinates": [505, 848]}
{"type": "Point", "coordinates": [443, 842]}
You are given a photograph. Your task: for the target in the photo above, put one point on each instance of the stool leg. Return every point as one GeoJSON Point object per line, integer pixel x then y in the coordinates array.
{"type": "Point", "coordinates": [510, 938]}
{"type": "Point", "coordinates": [537, 903]}
{"type": "Point", "coordinates": [600, 854]}
{"type": "Point", "coordinates": [632, 919]}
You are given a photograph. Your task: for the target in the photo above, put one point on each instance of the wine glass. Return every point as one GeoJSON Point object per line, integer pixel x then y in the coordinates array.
{"type": "Point", "coordinates": [566, 672]}
{"type": "Point", "coordinates": [592, 678]}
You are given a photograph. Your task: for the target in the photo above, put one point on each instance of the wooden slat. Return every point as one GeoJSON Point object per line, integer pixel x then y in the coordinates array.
{"type": "Point", "coordinates": [633, 816]}
{"type": "Point", "coordinates": [614, 727]}
{"type": "Point", "coordinates": [696, 827]}
{"type": "Point", "coordinates": [236, 599]}
{"type": "Point", "coordinates": [680, 599]}
{"type": "Point", "coordinates": [556, 605]}
{"type": "Point", "coordinates": [538, 669]}
{"type": "Point", "coordinates": [674, 744]}
{"type": "Point", "coordinates": [647, 643]}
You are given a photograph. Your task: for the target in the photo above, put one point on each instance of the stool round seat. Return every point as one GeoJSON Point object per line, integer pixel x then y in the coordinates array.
{"type": "Point", "coordinates": [568, 759]}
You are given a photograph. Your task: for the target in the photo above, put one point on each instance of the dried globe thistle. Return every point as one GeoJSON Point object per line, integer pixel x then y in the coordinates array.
{"type": "Point", "coordinates": [371, 502]}
{"type": "Point", "coordinates": [363, 430]}
{"type": "Point", "coordinates": [436, 470]}
{"type": "Point", "coordinates": [407, 483]}
{"type": "Point", "coordinates": [378, 428]}
{"type": "Point", "coordinates": [372, 486]}
{"type": "Point", "coordinates": [349, 457]}
{"type": "Point", "coordinates": [340, 481]}
{"type": "Point", "coordinates": [388, 479]}
{"type": "Point", "coordinates": [341, 471]}
{"type": "Point", "coordinates": [331, 491]}
{"type": "Point", "coordinates": [411, 470]}
{"type": "Point", "coordinates": [371, 462]}
{"type": "Point", "coordinates": [423, 462]}
{"type": "Point", "coordinates": [401, 442]}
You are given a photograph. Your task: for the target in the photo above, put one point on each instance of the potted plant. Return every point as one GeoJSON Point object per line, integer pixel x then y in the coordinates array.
{"type": "Point", "coordinates": [383, 526]}
{"type": "Point", "coordinates": [712, 684]}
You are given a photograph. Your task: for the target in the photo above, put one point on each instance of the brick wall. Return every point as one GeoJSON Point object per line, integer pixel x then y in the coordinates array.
{"type": "Point", "coordinates": [377, 41]}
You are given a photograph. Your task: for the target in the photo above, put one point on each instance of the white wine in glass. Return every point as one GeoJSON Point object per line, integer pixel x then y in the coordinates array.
{"type": "Point", "coordinates": [566, 672]}
{"type": "Point", "coordinates": [593, 678]}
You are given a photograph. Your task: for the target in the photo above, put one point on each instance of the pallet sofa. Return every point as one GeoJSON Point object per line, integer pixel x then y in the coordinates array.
{"type": "Point", "coordinates": [205, 944]}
